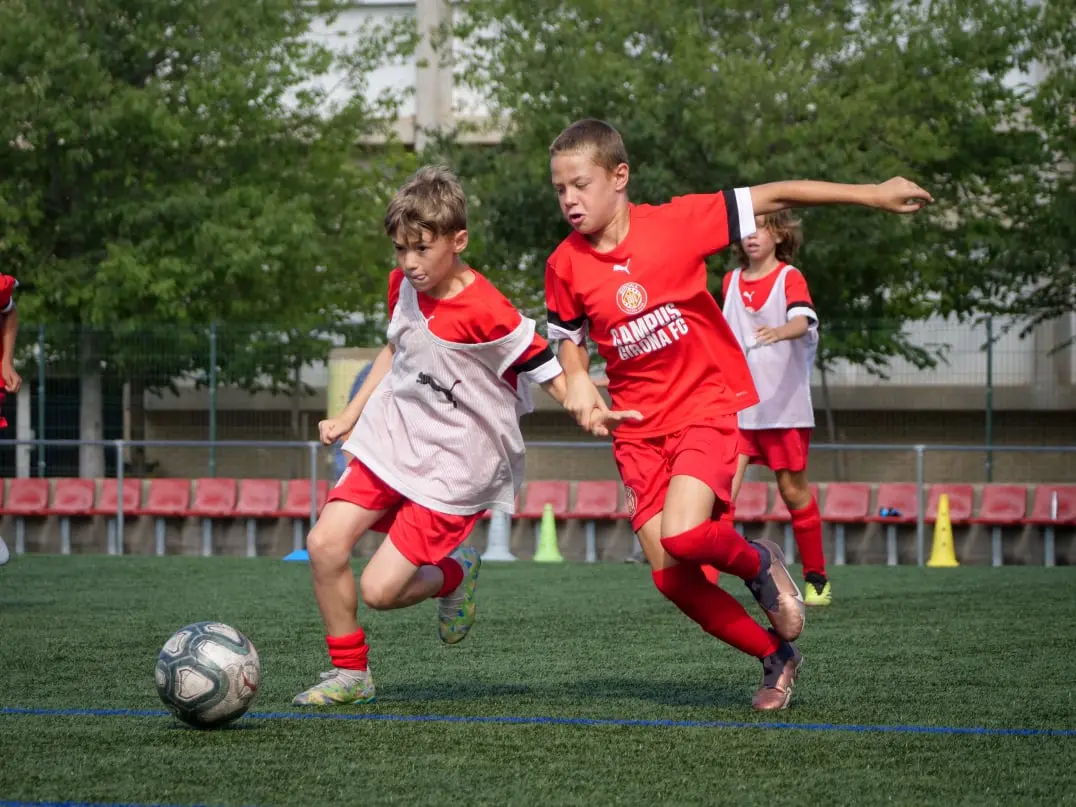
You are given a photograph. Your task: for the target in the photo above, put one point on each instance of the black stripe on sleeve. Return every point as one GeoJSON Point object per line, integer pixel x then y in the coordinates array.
{"type": "Point", "coordinates": [566, 324]}
{"type": "Point", "coordinates": [534, 362]}
{"type": "Point", "coordinates": [732, 210]}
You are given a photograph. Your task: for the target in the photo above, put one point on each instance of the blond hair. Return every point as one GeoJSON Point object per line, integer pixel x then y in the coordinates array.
{"type": "Point", "coordinates": [432, 201]}
{"type": "Point", "coordinates": [786, 232]}
{"type": "Point", "coordinates": [604, 143]}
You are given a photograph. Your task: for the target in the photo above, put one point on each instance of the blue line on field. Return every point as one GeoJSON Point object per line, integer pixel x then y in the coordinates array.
{"type": "Point", "coordinates": [79, 804]}
{"type": "Point", "coordinates": [565, 721]}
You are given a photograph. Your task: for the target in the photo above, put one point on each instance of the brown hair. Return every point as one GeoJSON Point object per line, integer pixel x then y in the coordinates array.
{"type": "Point", "coordinates": [590, 134]}
{"type": "Point", "coordinates": [784, 227]}
{"type": "Point", "coordinates": [431, 200]}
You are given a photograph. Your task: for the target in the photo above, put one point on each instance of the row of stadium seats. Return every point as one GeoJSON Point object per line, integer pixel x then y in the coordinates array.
{"type": "Point", "coordinates": [842, 502]}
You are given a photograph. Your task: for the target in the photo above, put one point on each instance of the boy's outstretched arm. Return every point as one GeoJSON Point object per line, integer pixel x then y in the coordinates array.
{"type": "Point", "coordinates": [600, 420]}
{"type": "Point", "coordinates": [897, 195]}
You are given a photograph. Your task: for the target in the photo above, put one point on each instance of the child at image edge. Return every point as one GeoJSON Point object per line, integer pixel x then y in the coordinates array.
{"type": "Point", "coordinates": [9, 328]}
{"type": "Point", "coordinates": [633, 279]}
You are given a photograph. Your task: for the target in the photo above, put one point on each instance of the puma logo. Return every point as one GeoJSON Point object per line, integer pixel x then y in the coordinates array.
{"type": "Point", "coordinates": [432, 383]}
{"type": "Point", "coordinates": [748, 295]}
{"type": "Point", "coordinates": [623, 267]}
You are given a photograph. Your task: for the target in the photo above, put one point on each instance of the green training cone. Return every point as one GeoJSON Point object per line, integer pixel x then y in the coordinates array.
{"type": "Point", "coordinates": [547, 551]}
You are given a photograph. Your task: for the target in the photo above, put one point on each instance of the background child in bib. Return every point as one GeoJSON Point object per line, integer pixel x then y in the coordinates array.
{"type": "Point", "coordinates": [768, 307]}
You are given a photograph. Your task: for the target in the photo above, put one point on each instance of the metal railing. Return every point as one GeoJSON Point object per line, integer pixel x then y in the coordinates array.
{"type": "Point", "coordinates": [315, 456]}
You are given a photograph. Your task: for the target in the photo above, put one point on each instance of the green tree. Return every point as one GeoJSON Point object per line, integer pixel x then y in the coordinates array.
{"type": "Point", "coordinates": [165, 166]}
{"type": "Point", "coordinates": [1033, 267]}
{"type": "Point", "coordinates": [712, 96]}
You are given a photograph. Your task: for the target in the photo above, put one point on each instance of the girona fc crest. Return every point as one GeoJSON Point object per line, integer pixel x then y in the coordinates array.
{"type": "Point", "coordinates": [630, 501]}
{"type": "Point", "coordinates": [631, 298]}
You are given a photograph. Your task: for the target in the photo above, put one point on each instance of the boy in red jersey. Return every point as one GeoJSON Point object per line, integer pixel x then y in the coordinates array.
{"type": "Point", "coordinates": [434, 432]}
{"type": "Point", "coordinates": [9, 329]}
{"type": "Point", "coordinates": [768, 307]}
{"type": "Point", "coordinates": [633, 279]}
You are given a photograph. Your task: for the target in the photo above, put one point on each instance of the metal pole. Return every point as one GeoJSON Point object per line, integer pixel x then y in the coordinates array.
{"type": "Point", "coordinates": [119, 497]}
{"type": "Point", "coordinates": [313, 483]}
{"type": "Point", "coordinates": [989, 398]}
{"type": "Point", "coordinates": [41, 399]}
{"type": "Point", "coordinates": [213, 399]}
{"type": "Point", "coordinates": [920, 518]}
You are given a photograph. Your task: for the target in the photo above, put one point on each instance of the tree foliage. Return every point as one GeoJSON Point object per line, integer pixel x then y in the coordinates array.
{"type": "Point", "coordinates": [717, 95]}
{"type": "Point", "coordinates": [168, 165]}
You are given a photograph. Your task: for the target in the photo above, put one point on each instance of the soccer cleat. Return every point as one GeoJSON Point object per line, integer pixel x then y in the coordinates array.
{"type": "Point", "coordinates": [456, 611]}
{"type": "Point", "coordinates": [779, 671]}
{"type": "Point", "coordinates": [339, 689]}
{"type": "Point", "coordinates": [817, 591]}
{"type": "Point", "coordinates": [777, 592]}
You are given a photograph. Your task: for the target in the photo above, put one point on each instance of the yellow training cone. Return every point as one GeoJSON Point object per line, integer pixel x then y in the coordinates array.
{"type": "Point", "coordinates": [547, 551]}
{"type": "Point", "coordinates": [941, 554]}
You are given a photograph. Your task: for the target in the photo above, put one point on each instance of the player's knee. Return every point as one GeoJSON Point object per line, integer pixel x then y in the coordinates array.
{"type": "Point", "coordinates": [327, 549]}
{"type": "Point", "coordinates": [794, 490]}
{"type": "Point", "coordinates": [376, 595]}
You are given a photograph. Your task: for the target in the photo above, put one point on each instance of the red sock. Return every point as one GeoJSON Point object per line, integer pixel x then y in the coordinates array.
{"type": "Point", "coordinates": [453, 572]}
{"type": "Point", "coordinates": [718, 544]}
{"type": "Point", "coordinates": [717, 612]}
{"type": "Point", "coordinates": [807, 529]}
{"type": "Point", "coordinates": [710, 572]}
{"type": "Point", "coordinates": [348, 652]}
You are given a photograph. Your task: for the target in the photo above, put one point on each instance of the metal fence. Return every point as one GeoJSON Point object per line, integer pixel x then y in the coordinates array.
{"type": "Point", "coordinates": [321, 464]}
{"type": "Point", "coordinates": [976, 357]}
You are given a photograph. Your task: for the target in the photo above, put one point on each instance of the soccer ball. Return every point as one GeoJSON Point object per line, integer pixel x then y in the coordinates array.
{"type": "Point", "coordinates": [207, 674]}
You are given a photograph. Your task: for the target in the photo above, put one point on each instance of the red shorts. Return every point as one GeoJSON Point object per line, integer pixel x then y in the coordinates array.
{"type": "Point", "coordinates": [777, 449]}
{"type": "Point", "coordinates": [707, 451]}
{"type": "Point", "coordinates": [422, 535]}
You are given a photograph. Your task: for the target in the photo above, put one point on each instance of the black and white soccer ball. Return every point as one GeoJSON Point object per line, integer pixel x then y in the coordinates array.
{"type": "Point", "coordinates": [207, 674]}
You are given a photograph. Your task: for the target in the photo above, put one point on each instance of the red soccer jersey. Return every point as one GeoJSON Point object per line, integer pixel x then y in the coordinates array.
{"type": "Point", "coordinates": [755, 293]}
{"type": "Point", "coordinates": [668, 350]}
{"type": "Point", "coordinates": [478, 314]}
{"type": "Point", "coordinates": [8, 284]}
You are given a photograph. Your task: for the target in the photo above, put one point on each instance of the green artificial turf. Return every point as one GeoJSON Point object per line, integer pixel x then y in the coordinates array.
{"type": "Point", "coordinates": [967, 647]}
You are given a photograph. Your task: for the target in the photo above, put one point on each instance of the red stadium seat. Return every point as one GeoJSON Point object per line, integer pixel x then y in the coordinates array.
{"type": "Point", "coordinates": [596, 500]}
{"type": "Point", "coordinates": [297, 498]}
{"type": "Point", "coordinates": [751, 501]}
{"type": "Point", "coordinates": [73, 497]}
{"type": "Point", "coordinates": [214, 498]}
{"type": "Point", "coordinates": [780, 509]}
{"type": "Point", "coordinates": [260, 498]}
{"type": "Point", "coordinates": [847, 502]}
{"type": "Point", "coordinates": [900, 496]}
{"type": "Point", "coordinates": [1042, 504]}
{"type": "Point", "coordinates": [108, 501]}
{"type": "Point", "coordinates": [27, 497]}
{"type": "Point", "coordinates": [1002, 504]}
{"type": "Point", "coordinates": [539, 494]}
{"type": "Point", "coordinates": [167, 498]}
{"type": "Point", "coordinates": [961, 498]}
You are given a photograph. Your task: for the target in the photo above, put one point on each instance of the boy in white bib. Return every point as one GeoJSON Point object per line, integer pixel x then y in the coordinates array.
{"type": "Point", "coordinates": [434, 432]}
